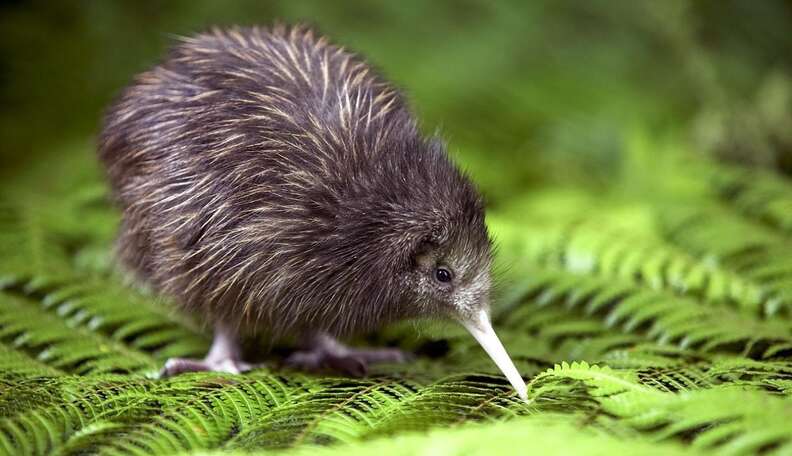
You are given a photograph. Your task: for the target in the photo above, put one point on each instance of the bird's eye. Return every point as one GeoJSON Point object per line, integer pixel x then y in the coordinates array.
{"type": "Point", "coordinates": [443, 275]}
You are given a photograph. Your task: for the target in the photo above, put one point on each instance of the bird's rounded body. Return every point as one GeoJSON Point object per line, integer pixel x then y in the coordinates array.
{"type": "Point", "coordinates": [269, 179]}
{"type": "Point", "coordinates": [272, 179]}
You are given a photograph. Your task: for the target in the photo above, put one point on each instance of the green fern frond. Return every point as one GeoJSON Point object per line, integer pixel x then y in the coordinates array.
{"type": "Point", "coordinates": [753, 420]}
{"type": "Point", "coordinates": [658, 316]}
{"type": "Point", "coordinates": [593, 249]}
{"type": "Point", "coordinates": [760, 195]}
{"type": "Point", "coordinates": [749, 249]}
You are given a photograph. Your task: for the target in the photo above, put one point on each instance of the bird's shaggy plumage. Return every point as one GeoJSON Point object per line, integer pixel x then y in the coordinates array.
{"type": "Point", "coordinates": [269, 178]}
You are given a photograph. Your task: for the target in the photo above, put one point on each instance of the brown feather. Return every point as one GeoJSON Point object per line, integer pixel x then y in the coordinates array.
{"type": "Point", "coordinates": [269, 178]}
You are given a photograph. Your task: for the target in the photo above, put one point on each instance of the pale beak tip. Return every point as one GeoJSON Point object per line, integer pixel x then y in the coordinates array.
{"type": "Point", "coordinates": [522, 390]}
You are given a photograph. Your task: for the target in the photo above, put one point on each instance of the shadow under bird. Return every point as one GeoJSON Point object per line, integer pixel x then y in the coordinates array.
{"type": "Point", "coordinates": [271, 180]}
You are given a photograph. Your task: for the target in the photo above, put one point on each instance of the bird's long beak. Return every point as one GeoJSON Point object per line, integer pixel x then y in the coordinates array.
{"type": "Point", "coordinates": [481, 328]}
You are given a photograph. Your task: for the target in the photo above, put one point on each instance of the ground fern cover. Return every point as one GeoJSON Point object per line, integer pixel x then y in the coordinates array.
{"type": "Point", "coordinates": [654, 317]}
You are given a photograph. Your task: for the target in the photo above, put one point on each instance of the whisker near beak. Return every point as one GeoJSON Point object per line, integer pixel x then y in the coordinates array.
{"type": "Point", "coordinates": [481, 329]}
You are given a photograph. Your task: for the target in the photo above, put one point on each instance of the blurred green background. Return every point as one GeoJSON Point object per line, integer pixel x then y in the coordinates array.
{"type": "Point", "coordinates": [524, 91]}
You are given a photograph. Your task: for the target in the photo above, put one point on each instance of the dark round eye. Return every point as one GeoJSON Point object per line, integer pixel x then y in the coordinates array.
{"type": "Point", "coordinates": [443, 275]}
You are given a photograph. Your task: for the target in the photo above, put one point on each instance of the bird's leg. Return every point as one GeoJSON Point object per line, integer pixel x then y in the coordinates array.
{"type": "Point", "coordinates": [322, 351]}
{"type": "Point", "coordinates": [224, 356]}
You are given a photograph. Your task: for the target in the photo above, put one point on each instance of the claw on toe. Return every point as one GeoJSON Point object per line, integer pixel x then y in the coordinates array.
{"type": "Point", "coordinates": [350, 365]}
{"type": "Point", "coordinates": [312, 361]}
{"type": "Point", "coordinates": [348, 361]}
{"type": "Point", "coordinates": [176, 366]}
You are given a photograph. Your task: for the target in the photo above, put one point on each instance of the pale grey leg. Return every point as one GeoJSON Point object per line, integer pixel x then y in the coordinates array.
{"type": "Point", "coordinates": [224, 356]}
{"type": "Point", "coordinates": [322, 351]}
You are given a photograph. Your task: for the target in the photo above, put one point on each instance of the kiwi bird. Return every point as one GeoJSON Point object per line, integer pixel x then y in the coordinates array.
{"type": "Point", "coordinates": [272, 181]}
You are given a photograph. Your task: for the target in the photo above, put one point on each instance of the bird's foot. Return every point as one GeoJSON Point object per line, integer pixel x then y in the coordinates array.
{"type": "Point", "coordinates": [176, 366]}
{"type": "Point", "coordinates": [223, 356]}
{"type": "Point", "coordinates": [326, 353]}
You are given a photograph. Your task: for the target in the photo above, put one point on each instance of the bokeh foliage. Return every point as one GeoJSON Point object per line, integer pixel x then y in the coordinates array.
{"type": "Point", "coordinates": [635, 156]}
